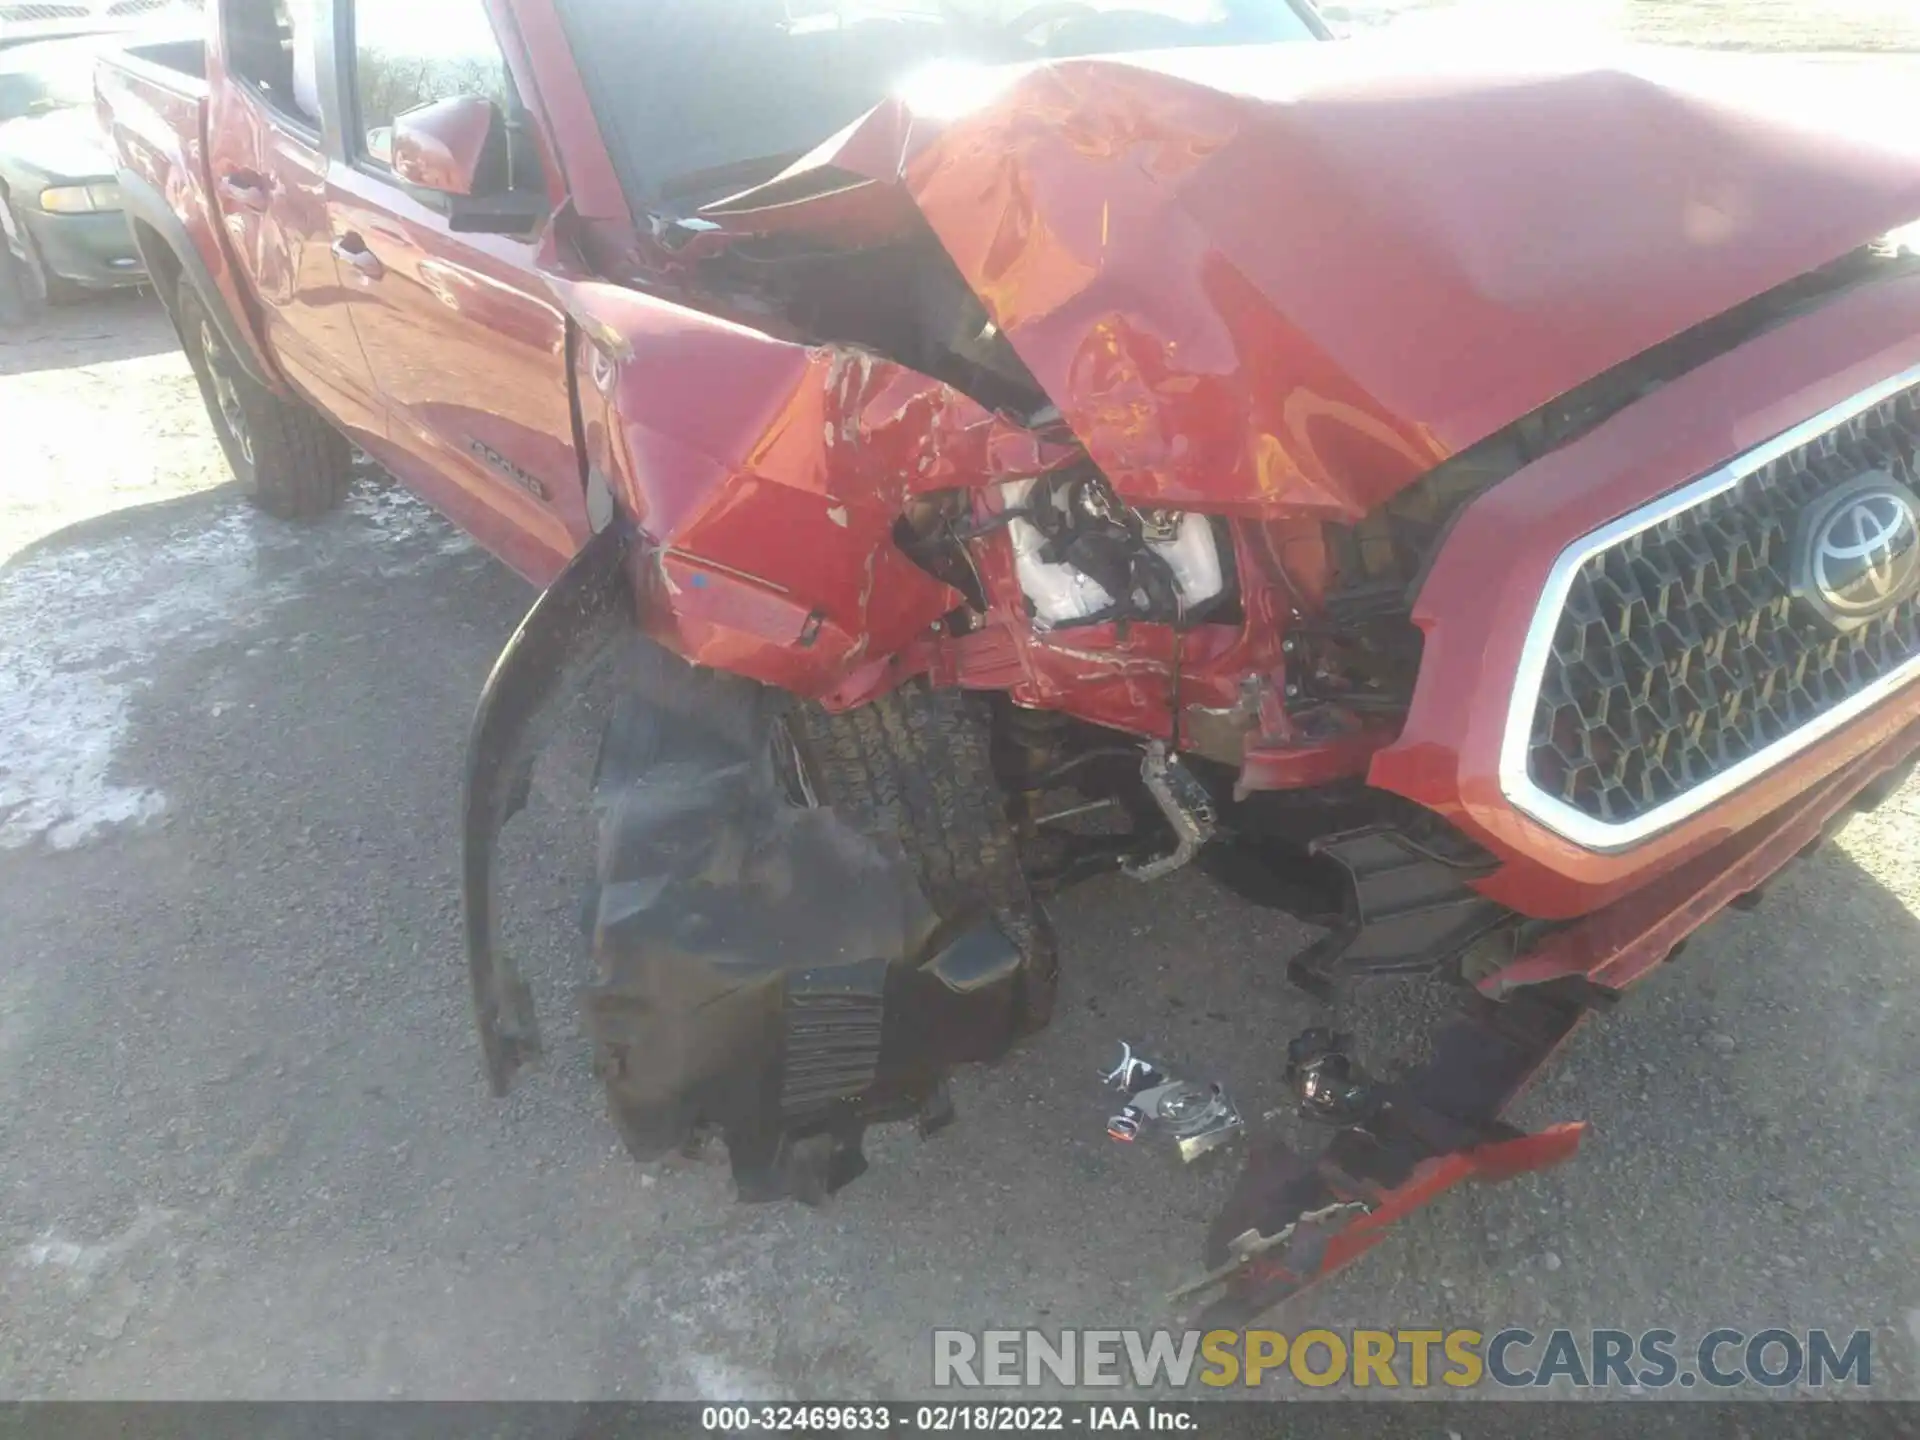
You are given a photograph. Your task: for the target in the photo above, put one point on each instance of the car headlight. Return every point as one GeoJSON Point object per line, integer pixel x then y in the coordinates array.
{"type": "Point", "coordinates": [1904, 241]}
{"type": "Point", "coordinates": [80, 199]}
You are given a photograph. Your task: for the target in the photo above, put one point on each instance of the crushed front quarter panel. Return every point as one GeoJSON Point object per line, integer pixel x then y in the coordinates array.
{"type": "Point", "coordinates": [1279, 283]}
{"type": "Point", "coordinates": [768, 475]}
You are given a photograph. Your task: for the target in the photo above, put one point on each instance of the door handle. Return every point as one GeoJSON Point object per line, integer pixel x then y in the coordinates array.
{"type": "Point", "coordinates": [350, 249]}
{"type": "Point", "coordinates": [248, 188]}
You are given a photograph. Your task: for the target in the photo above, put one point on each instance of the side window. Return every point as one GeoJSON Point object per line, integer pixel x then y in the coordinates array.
{"type": "Point", "coordinates": [409, 53]}
{"type": "Point", "coordinates": [271, 49]}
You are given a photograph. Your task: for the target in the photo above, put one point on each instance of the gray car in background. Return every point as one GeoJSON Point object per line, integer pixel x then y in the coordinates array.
{"type": "Point", "coordinates": [62, 233]}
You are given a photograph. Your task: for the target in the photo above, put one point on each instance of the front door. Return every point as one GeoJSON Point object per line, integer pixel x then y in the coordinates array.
{"type": "Point", "coordinates": [466, 345]}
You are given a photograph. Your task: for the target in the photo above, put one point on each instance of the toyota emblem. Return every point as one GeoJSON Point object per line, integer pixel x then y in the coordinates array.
{"type": "Point", "coordinates": [1858, 551]}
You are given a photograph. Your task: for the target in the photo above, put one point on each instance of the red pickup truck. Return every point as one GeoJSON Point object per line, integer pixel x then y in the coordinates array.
{"type": "Point", "coordinates": [1465, 500]}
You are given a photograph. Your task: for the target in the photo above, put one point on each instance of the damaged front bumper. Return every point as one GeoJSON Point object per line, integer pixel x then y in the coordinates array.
{"type": "Point", "coordinates": [1291, 1222]}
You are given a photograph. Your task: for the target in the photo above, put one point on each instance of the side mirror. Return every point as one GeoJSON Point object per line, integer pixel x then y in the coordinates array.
{"type": "Point", "coordinates": [454, 147]}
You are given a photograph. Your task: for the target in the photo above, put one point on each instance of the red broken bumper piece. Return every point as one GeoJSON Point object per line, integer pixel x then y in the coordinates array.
{"type": "Point", "coordinates": [1262, 1271]}
{"type": "Point", "coordinates": [1290, 1223]}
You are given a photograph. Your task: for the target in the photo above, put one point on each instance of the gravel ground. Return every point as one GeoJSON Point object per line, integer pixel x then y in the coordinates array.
{"type": "Point", "coordinates": [246, 1152]}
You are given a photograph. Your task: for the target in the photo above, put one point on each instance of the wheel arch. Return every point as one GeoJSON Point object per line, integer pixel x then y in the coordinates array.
{"type": "Point", "coordinates": [172, 259]}
{"type": "Point", "coordinates": [560, 642]}
{"type": "Point", "coordinates": [162, 264]}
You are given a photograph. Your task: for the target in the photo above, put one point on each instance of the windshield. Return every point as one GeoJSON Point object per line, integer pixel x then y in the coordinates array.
{"type": "Point", "coordinates": [48, 75]}
{"type": "Point", "coordinates": [697, 97]}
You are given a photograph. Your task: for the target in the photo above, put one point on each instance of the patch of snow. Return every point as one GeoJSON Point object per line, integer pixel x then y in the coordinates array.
{"type": "Point", "coordinates": [83, 1263]}
{"type": "Point", "coordinates": [82, 625]}
{"type": "Point", "coordinates": [396, 515]}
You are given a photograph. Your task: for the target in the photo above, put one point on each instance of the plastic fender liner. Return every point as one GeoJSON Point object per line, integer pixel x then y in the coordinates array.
{"type": "Point", "coordinates": [558, 644]}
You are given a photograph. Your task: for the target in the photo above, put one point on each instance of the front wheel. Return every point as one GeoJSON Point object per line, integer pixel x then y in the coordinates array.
{"type": "Point", "coordinates": [292, 463]}
{"type": "Point", "coordinates": [917, 765]}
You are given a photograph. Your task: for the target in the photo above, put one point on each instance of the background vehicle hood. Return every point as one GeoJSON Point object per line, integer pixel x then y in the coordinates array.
{"type": "Point", "coordinates": [66, 144]}
{"type": "Point", "coordinates": [1295, 277]}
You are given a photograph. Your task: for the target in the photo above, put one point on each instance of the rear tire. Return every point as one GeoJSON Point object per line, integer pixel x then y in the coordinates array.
{"type": "Point", "coordinates": [291, 462]}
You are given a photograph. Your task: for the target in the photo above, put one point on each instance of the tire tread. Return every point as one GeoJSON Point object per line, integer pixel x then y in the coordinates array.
{"type": "Point", "coordinates": [916, 763]}
{"type": "Point", "coordinates": [302, 467]}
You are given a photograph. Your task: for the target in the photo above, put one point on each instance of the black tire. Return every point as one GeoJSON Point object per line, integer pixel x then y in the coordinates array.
{"type": "Point", "coordinates": [291, 462]}
{"type": "Point", "coordinates": [916, 764]}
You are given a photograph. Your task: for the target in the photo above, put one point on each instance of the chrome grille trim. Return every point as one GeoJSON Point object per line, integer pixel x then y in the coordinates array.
{"type": "Point", "coordinates": [1516, 781]}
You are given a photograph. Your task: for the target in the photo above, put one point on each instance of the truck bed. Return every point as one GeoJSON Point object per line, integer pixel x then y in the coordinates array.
{"type": "Point", "coordinates": [186, 58]}
{"type": "Point", "coordinates": [152, 101]}
{"type": "Point", "coordinates": [159, 73]}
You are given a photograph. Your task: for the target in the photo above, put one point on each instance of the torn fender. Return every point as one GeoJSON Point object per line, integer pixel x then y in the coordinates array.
{"type": "Point", "coordinates": [563, 636]}
{"type": "Point", "coordinates": [768, 475]}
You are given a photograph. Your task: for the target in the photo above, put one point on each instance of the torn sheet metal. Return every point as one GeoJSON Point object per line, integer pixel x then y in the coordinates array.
{"type": "Point", "coordinates": [769, 476]}
{"type": "Point", "coordinates": [1292, 278]}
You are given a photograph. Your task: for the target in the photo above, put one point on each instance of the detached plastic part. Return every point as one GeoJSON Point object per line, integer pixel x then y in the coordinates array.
{"type": "Point", "coordinates": [1198, 1117]}
{"type": "Point", "coordinates": [765, 969]}
{"type": "Point", "coordinates": [1291, 1221]}
{"type": "Point", "coordinates": [558, 644]}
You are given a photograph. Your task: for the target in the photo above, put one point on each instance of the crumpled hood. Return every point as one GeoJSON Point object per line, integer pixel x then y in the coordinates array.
{"type": "Point", "coordinates": [65, 145]}
{"type": "Point", "coordinates": [1295, 277]}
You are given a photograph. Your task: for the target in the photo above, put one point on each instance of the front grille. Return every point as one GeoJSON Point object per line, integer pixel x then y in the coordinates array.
{"type": "Point", "coordinates": [1681, 652]}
